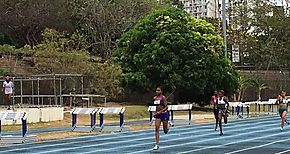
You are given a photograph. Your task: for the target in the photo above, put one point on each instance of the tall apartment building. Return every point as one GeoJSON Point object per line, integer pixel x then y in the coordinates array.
{"type": "Point", "coordinates": [201, 8]}
{"type": "Point", "coordinates": [213, 8]}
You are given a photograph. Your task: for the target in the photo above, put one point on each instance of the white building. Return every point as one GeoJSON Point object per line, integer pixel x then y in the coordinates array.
{"type": "Point", "coordinates": [282, 3]}
{"type": "Point", "coordinates": [213, 8]}
{"type": "Point", "coordinates": [201, 8]}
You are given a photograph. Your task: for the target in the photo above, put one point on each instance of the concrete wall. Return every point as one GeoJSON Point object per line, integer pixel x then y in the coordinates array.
{"type": "Point", "coordinates": [37, 115]}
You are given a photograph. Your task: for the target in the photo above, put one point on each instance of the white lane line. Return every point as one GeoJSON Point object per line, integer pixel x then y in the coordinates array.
{"type": "Point", "coordinates": [240, 141]}
{"type": "Point", "coordinates": [224, 137]}
{"type": "Point", "coordinates": [259, 146]}
{"type": "Point", "coordinates": [131, 132]}
{"type": "Point", "coordinates": [132, 135]}
{"type": "Point", "coordinates": [283, 152]}
{"type": "Point", "coordinates": [175, 139]}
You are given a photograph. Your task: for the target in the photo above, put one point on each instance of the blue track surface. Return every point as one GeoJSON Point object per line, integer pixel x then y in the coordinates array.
{"type": "Point", "coordinates": [254, 135]}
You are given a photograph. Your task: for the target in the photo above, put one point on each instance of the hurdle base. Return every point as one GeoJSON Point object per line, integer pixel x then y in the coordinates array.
{"type": "Point", "coordinates": [13, 139]}
{"type": "Point", "coordinates": [86, 129]}
{"type": "Point", "coordinates": [181, 122]}
{"type": "Point", "coordinates": [114, 128]}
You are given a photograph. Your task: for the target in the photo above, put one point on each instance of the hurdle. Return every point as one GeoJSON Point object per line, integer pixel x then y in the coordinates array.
{"type": "Point", "coordinates": [270, 103]}
{"type": "Point", "coordinates": [151, 109]}
{"type": "Point", "coordinates": [183, 107]}
{"type": "Point", "coordinates": [239, 108]}
{"type": "Point", "coordinates": [112, 128]}
{"type": "Point", "coordinates": [171, 109]}
{"type": "Point", "coordinates": [12, 117]}
{"type": "Point", "coordinates": [84, 111]}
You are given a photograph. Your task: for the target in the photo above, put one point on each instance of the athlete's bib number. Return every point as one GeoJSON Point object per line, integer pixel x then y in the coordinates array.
{"type": "Point", "coordinates": [157, 102]}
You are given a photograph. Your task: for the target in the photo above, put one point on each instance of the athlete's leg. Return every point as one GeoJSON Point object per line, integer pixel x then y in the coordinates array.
{"type": "Point", "coordinates": [225, 115]}
{"type": "Point", "coordinates": [283, 116]}
{"type": "Point", "coordinates": [216, 119]}
{"type": "Point", "coordinates": [9, 100]}
{"type": "Point", "coordinates": [165, 126]}
{"type": "Point", "coordinates": [220, 123]}
{"type": "Point", "coordinates": [157, 126]}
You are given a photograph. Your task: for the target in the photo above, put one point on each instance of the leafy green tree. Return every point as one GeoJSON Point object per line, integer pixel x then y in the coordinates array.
{"type": "Point", "coordinates": [107, 79]}
{"type": "Point", "coordinates": [62, 53]}
{"type": "Point", "coordinates": [172, 49]}
{"type": "Point", "coordinates": [269, 44]}
{"type": "Point", "coordinates": [5, 72]}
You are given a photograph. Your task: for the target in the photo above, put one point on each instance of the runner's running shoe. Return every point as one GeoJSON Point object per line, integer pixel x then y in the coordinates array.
{"type": "Point", "coordinates": [156, 147]}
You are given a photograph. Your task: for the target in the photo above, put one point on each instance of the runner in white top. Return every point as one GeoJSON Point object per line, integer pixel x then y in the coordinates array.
{"type": "Point", "coordinates": [222, 105]}
{"type": "Point", "coordinates": [8, 90]}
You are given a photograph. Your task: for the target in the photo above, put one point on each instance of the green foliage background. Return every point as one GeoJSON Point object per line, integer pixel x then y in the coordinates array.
{"type": "Point", "coordinates": [172, 49]}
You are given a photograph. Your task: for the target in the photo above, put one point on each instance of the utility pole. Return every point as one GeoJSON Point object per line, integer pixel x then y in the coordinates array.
{"type": "Point", "coordinates": [224, 26]}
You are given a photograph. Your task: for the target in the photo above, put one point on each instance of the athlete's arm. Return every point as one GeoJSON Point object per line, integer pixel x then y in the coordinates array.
{"type": "Point", "coordinates": [212, 100]}
{"type": "Point", "coordinates": [278, 99]}
{"type": "Point", "coordinates": [226, 101]}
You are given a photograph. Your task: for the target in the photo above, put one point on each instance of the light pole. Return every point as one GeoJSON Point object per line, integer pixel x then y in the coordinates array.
{"type": "Point", "coordinates": [224, 26]}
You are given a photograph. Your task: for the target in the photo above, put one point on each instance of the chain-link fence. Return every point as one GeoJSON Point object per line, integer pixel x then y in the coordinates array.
{"type": "Point", "coordinates": [48, 89]}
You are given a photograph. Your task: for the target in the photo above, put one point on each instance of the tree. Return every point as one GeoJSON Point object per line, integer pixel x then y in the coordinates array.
{"type": "Point", "coordinates": [103, 21]}
{"type": "Point", "coordinates": [258, 85]}
{"type": "Point", "coordinates": [239, 27]}
{"type": "Point", "coordinates": [4, 72]}
{"type": "Point", "coordinates": [269, 45]}
{"type": "Point", "coordinates": [24, 20]}
{"type": "Point", "coordinates": [62, 53]}
{"type": "Point", "coordinates": [107, 79]}
{"type": "Point", "coordinates": [172, 49]}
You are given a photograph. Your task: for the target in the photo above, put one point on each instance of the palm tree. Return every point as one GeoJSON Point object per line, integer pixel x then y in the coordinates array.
{"type": "Point", "coordinates": [244, 83]}
{"type": "Point", "coordinates": [258, 85]}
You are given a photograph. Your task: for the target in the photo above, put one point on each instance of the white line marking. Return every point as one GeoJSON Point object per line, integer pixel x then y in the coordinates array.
{"type": "Point", "coordinates": [189, 143]}
{"type": "Point", "coordinates": [121, 133]}
{"type": "Point", "coordinates": [283, 152]}
{"type": "Point", "coordinates": [240, 141]}
{"type": "Point", "coordinates": [125, 136]}
{"type": "Point", "coordinates": [175, 139]}
{"type": "Point", "coordinates": [255, 147]}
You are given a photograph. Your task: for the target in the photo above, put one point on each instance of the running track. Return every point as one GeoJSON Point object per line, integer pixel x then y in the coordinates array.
{"type": "Point", "coordinates": [251, 136]}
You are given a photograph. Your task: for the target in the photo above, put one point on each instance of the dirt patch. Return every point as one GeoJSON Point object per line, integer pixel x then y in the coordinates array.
{"type": "Point", "coordinates": [140, 127]}
{"type": "Point", "coordinates": [62, 135]}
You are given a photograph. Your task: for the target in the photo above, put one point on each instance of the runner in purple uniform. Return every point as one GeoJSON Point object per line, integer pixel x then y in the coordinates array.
{"type": "Point", "coordinates": [161, 115]}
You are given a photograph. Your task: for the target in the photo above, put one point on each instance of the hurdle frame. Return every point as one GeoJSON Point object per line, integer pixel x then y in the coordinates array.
{"type": "Point", "coordinates": [151, 109]}
{"type": "Point", "coordinates": [171, 109]}
{"type": "Point", "coordinates": [8, 116]}
{"type": "Point", "coordinates": [84, 111]}
{"type": "Point", "coordinates": [120, 111]}
{"type": "Point", "coordinates": [180, 107]}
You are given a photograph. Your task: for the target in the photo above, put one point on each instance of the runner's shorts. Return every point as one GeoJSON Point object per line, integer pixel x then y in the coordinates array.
{"type": "Point", "coordinates": [163, 116]}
